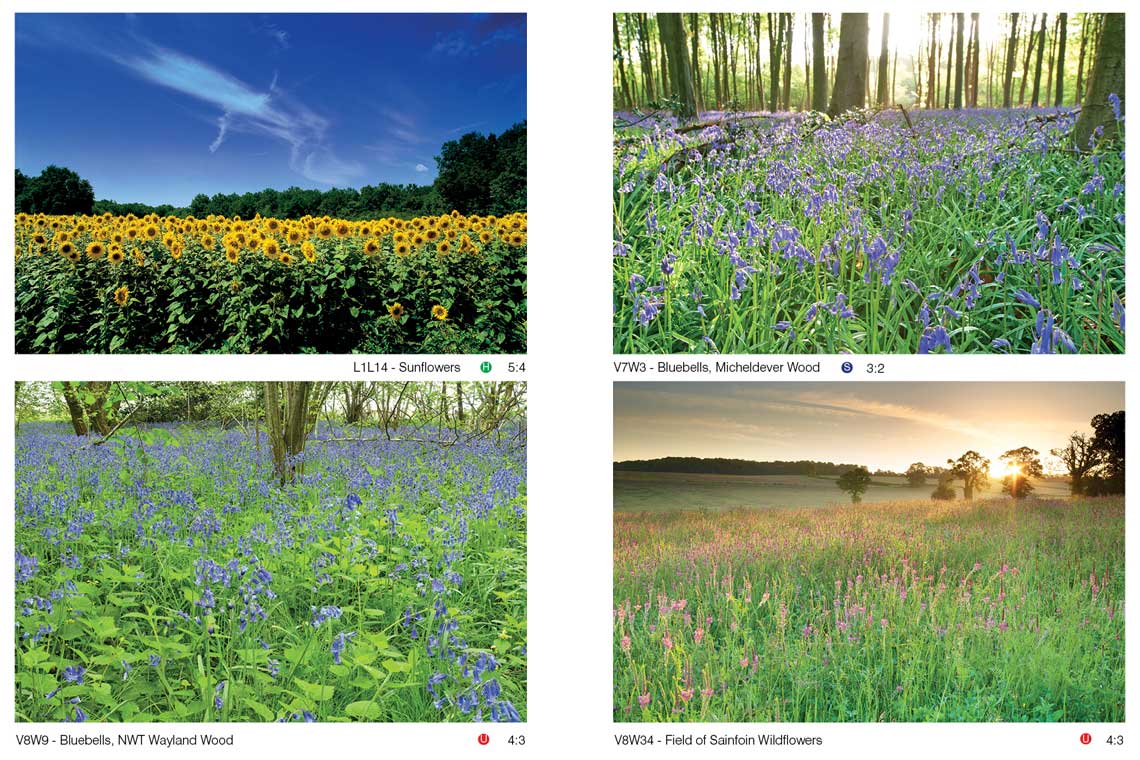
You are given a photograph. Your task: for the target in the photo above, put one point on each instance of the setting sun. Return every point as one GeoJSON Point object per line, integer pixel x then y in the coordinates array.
{"type": "Point", "coordinates": [1000, 469]}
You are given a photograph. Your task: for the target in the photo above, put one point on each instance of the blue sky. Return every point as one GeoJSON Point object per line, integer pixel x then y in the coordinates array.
{"type": "Point", "coordinates": [159, 107]}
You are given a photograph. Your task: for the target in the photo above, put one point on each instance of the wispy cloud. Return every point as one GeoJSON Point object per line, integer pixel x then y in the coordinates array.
{"type": "Point", "coordinates": [246, 109]}
{"type": "Point", "coordinates": [421, 168]}
{"type": "Point", "coordinates": [462, 42]}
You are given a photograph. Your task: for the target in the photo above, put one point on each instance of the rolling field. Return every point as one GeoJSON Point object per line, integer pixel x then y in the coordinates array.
{"type": "Point", "coordinates": [664, 491]}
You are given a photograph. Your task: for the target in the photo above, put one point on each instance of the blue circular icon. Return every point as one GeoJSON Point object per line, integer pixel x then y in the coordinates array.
{"type": "Point", "coordinates": [848, 367]}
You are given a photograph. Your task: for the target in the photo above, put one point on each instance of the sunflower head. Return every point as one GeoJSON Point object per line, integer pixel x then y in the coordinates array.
{"type": "Point", "coordinates": [232, 254]}
{"type": "Point", "coordinates": [309, 251]}
{"type": "Point", "coordinates": [439, 312]}
{"type": "Point", "coordinates": [115, 255]}
{"type": "Point", "coordinates": [271, 249]}
{"type": "Point", "coordinates": [122, 295]}
{"type": "Point", "coordinates": [396, 310]}
{"type": "Point", "coordinates": [285, 258]}
{"type": "Point", "coordinates": [371, 246]}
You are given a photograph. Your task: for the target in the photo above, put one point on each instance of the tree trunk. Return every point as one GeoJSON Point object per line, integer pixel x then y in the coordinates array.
{"type": "Point", "coordinates": [775, 41]}
{"type": "Point", "coordinates": [74, 409]}
{"type": "Point", "coordinates": [818, 64]}
{"type": "Point", "coordinates": [949, 68]}
{"type": "Point", "coordinates": [959, 64]}
{"type": "Point", "coordinates": [1030, 39]}
{"type": "Point", "coordinates": [1081, 60]}
{"type": "Point", "coordinates": [1062, 32]}
{"type": "Point", "coordinates": [788, 27]}
{"type": "Point", "coordinates": [694, 55]}
{"type": "Point", "coordinates": [644, 55]}
{"type": "Point", "coordinates": [1106, 78]}
{"type": "Point", "coordinates": [627, 97]}
{"type": "Point", "coordinates": [851, 67]}
{"type": "Point", "coordinates": [1052, 60]}
{"type": "Point", "coordinates": [884, 59]}
{"type": "Point", "coordinates": [931, 64]}
{"type": "Point", "coordinates": [1037, 66]}
{"type": "Point", "coordinates": [287, 416]}
{"type": "Point", "coordinates": [666, 90]}
{"type": "Point", "coordinates": [672, 26]}
{"type": "Point", "coordinates": [714, 30]}
{"type": "Point", "coordinates": [1010, 59]}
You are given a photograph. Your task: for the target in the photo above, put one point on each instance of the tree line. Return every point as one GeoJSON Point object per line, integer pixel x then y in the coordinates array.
{"type": "Point", "coordinates": [1095, 466]}
{"type": "Point", "coordinates": [694, 62]}
{"type": "Point", "coordinates": [286, 415]}
{"type": "Point", "coordinates": [476, 174]}
{"type": "Point", "coordinates": [722, 466]}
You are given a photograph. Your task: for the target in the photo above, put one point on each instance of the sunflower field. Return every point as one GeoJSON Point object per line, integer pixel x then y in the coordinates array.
{"type": "Point", "coordinates": [151, 284]}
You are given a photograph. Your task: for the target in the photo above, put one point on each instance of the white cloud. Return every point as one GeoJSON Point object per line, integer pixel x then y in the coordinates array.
{"type": "Point", "coordinates": [421, 168]}
{"type": "Point", "coordinates": [245, 109]}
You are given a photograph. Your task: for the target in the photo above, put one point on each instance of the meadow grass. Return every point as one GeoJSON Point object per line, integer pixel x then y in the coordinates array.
{"type": "Point", "coordinates": [969, 232]}
{"type": "Point", "coordinates": [166, 576]}
{"type": "Point", "coordinates": [653, 491]}
{"type": "Point", "coordinates": [904, 611]}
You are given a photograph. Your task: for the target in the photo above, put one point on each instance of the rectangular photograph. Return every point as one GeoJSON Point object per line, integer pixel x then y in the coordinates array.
{"type": "Point", "coordinates": [282, 551]}
{"type": "Point", "coordinates": [868, 183]}
{"type": "Point", "coordinates": [283, 183]}
{"type": "Point", "coordinates": [868, 552]}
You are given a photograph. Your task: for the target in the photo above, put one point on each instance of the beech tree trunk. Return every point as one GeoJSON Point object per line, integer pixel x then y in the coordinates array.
{"type": "Point", "coordinates": [818, 64]}
{"type": "Point", "coordinates": [851, 67]}
{"type": "Point", "coordinates": [1107, 78]}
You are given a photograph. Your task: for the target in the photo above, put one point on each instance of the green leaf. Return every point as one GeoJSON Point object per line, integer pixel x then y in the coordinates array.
{"type": "Point", "coordinates": [314, 691]}
{"type": "Point", "coordinates": [366, 710]}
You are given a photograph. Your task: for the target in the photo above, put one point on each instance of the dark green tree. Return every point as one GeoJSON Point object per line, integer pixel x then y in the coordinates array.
{"type": "Point", "coordinates": [855, 483]}
{"type": "Point", "coordinates": [1024, 463]}
{"type": "Point", "coordinates": [57, 190]}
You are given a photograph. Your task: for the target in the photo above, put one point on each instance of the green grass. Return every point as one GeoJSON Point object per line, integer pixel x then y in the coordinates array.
{"type": "Point", "coordinates": [902, 611]}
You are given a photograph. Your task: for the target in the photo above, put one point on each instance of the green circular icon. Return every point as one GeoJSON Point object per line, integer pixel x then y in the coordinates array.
{"type": "Point", "coordinates": [485, 366]}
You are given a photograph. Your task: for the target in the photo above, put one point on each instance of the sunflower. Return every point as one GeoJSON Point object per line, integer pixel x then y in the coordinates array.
{"type": "Point", "coordinates": [309, 251]}
{"type": "Point", "coordinates": [273, 225]}
{"type": "Point", "coordinates": [68, 249]}
{"type": "Point", "coordinates": [403, 249]}
{"type": "Point", "coordinates": [439, 312]}
{"type": "Point", "coordinates": [176, 251]}
{"type": "Point", "coordinates": [122, 295]}
{"type": "Point", "coordinates": [286, 258]}
{"type": "Point", "coordinates": [324, 230]}
{"type": "Point", "coordinates": [150, 232]}
{"type": "Point", "coordinates": [431, 234]}
{"type": "Point", "coordinates": [95, 249]}
{"type": "Point", "coordinates": [342, 229]}
{"type": "Point", "coordinates": [371, 246]}
{"type": "Point", "coordinates": [115, 255]}
{"type": "Point", "coordinates": [417, 240]}
{"type": "Point", "coordinates": [396, 310]}
{"type": "Point", "coordinates": [517, 238]}
{"type": "Point", "coordinates": [271, 249]}
{"type": "Point", "coordinates": [443, 247]}
{"type": "Point", "coordinates": [207, 242]}
{"type": "Point", "coordinates": [232, 254]}
{"type": "Point", "coordinates": [294, 236]}
{"type": "Point", "coordinates": [486, 236]}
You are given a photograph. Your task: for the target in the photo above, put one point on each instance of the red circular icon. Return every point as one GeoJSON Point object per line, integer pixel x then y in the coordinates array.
{"type": "Point", "coordinates": [1085, 738]}
{"type": "Point", "coordinates": [485, 740]}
